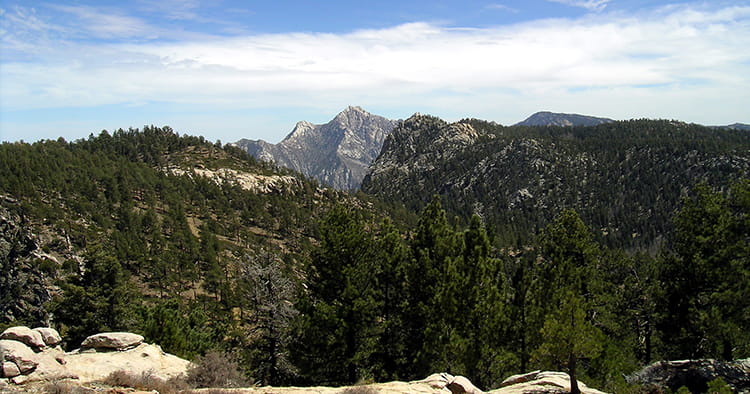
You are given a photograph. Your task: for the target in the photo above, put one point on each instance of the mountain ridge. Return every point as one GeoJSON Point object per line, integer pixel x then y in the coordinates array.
{"type": "Point", "coordinates": [625, 177]}
{"type": "Point", "coordinates": [339, 152]}
{"type": "Point", "coordinates": [547, 118]}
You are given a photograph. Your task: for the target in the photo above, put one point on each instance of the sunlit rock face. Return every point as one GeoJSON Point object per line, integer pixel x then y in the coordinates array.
{"type": "Point", "coordinates": [337, 153]}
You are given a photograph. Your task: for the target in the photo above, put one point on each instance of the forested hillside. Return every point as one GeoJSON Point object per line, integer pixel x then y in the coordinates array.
{"type": "Point", "coordinates": [147, 231]}
{"type": "Point", "coordinates": [199, 247]}
{"type": "Point", "coordinates": [626, 179]}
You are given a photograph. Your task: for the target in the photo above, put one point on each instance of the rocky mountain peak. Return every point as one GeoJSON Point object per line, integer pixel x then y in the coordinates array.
{"type": "Point", "coordinates": [336, 153]}
{"type": "Point", "coordinates": [300, 130]}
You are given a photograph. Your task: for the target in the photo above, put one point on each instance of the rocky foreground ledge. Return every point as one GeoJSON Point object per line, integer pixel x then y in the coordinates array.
{"type": "Point", "coordinates": [34, 355]}
{"type": "Point", "coordinates": [531, 383]}
{"type": "Point", "coordinates": [30, 356]}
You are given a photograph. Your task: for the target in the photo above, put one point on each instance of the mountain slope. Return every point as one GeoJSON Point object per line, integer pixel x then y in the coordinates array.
{"type": "Point", "coordinates": [545, 118]}
{"type": "Point", "coordinates": [165, 216]}
{"type": "Point", "coordinates": [625, 178]}
{"type": "Point", "coordinates": [336, 153]}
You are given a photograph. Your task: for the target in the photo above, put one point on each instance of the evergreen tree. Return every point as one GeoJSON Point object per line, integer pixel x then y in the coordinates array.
{"type": "Point", "coordinates": [267, 292]}
{"type": "Point", "coordinates": [392, 254]}
{"type": "Point", "coordinates": [339, 328]}
{"type": "Point", "coordinates": [433, 246]}
{"type": "Point", "coordinates": [100, 299]}
{"type": "Point", "coordinates": [486, 317]}
{"type": "Point", "coordinates": [707, 291]}
{"type": "Point", "coordinates": [568, 334]}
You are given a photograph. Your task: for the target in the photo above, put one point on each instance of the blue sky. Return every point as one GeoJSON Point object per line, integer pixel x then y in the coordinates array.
{"type": "Point", "coordinates": [247, 69]}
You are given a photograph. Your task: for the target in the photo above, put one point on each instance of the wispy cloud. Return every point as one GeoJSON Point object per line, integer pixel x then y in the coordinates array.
{"type": "Point", "coordinates": [100, 23]}
{"type": "Point", "coordinates": [611, 63]}
{"type": "Point", "coordinates": [501, 7]}
{"type": "Point", "coordinates": [173, 9]}
{"type": "Point", "coordinates": [591, 5]}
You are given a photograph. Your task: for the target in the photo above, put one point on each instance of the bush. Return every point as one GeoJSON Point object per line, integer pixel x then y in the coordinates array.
{"type": "Point", "coordinates": [359, 390]}
{"type": "Point", "coordinates": [146, 381]}
{"type": "Point", "coordinates": [216, 369]}
{"type": "Point", "coordinates": [719, 386]}
{"type": "Point", "coordinates": [62, 387]}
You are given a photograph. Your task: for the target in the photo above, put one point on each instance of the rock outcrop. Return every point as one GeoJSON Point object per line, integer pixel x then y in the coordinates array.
{"type": "Point", "coordinates": [105, 353]}
{"type": "Point", "coordinates": [21, 283]}
{"type": "Point", "coordinates": [336, 153]}
{"type": "Point", "coordinates": [50, 336]}
{"type": "Point", "coordinates": [539, 382]}
{"type": "Point", "coordinates": [695, 374]}
{"type": "Point", "coordinates": [29, 337]}
{"type": "Point", "coordinates": [23, 359]}
{"type": "Point", "coordinates": [17, 358]}
{"type": "Point", "coordinates": [112, 340]}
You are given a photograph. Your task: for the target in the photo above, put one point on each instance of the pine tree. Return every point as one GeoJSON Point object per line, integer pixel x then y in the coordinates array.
{"type": "Point", "coordinates": [339, 328]}
{"type": "Point", "coordinates": [706, 279]}
{"type": "Point", "coordinates": [570, 258]}
{"type": "Point", "coordinates": [100, 299]}
{"type": "Point", "coordinates": [392, 254]}
{"type": "Point", "coordinates": [267, 291]}
{"type": "Point", "coordinates": [429, 275]}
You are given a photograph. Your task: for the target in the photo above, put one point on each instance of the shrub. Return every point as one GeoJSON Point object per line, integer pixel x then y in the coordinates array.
{"type": "Point", "coordinates": [62, 387]}
{"type": "Point", "coordinates": [216, 369]}
{"type": "Point", "coordinates": [359, 390]}
{"type": "Point", "coordinates": [719, 386]}
{"type": "Point", "coordinates": [146, 381]}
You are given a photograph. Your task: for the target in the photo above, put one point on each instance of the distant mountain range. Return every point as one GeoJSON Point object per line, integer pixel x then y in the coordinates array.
{"type": "Point", "coordinates": [736, 126]}
{"type": "Point", "coordinates": [336, 153]}
{"type": "Point", "coordinates": [545, 118]}
{"type": "Point", "coordinates": [339, 152]}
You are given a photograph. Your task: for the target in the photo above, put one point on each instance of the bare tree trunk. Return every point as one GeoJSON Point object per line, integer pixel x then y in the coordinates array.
{"type": "Point", "coordinates": [572, 373]}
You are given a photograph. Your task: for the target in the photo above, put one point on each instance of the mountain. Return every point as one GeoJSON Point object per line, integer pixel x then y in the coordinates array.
{"type": "Point", "coordinates": [545, 118]}
{"type": "Point", "coordinates": [736, 126]}
{"type": "Point", "coordinates": [201, 248]}
{"type": "Point", "coordinates": [336, 153]}
{"type": "Point", "coordinates": [625, 178]}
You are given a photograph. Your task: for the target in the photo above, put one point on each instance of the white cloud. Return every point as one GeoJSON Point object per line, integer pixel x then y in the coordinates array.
{"type": "Point", "coordinates": [173, 9]}
{"type": "Point", "coordinates": [619, 65]}
{"type": "Point", "coordinates": [591, 5]}
{"type": "Point", "coordinates": [104, 24]}
{"type": "Point", "coordinates": [502, 7]}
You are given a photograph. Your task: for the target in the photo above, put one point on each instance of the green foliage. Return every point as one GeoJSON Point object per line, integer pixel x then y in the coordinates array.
{"type": "Point", "coordinates": [98, 299]}
{"type": "Point", "coordinates": [181, 329]}
{"type": "Point", "coordinates": [719, 386]}
{"type": "Point", "coordinates": [707, 293]}
{"type": "Point", "coordinates": [625, 179]}
{"type": "Point", "coordinates": [568, 334]}
{"type": "Point", "coordinates": [339, 322]}
{"type": "Point", "coordinates": [316, 286]}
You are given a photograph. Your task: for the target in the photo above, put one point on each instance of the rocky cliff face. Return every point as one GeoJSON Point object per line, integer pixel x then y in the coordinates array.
{"type": "Point", "coordinates": [336, 153]}
{"type": "Point", "coordinates": [545, 118]}
{"type": "Point", "coordinates": [24, 287]}
{"type": "Point", "coordinates": [414, 151]}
